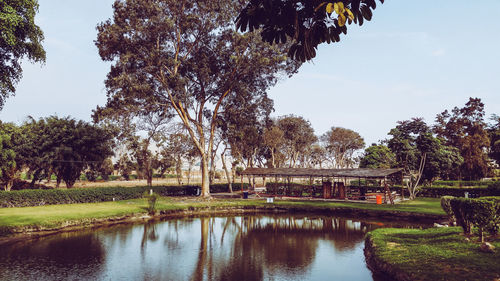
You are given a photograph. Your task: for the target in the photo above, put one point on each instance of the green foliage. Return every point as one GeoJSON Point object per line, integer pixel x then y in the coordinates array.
{"type": "Point", "coordinates": [192, 62]}
{"type": "Point", "coordinates": [474, 192]}
{"type": "Point", "coordinates": [494, 134]}
{"type": "Point", "coordinates": [483, 213]}
{"type": "Point", "coordinates": [460, 183]}
{"type": "Point", "coordinates": [8, 165]}
{"type": "Point", "coordinates": [298, 135]}
{"type": "Point", "coordinates": [151, 197]}
{"type": "Point", "coordinates": [37, 197]}
{"type": "Point", "coordinates": [465, 129]}
{"type": "Point", "coordinates": [463, 213]}
{"type": "Point", "coordinates": [24, 198]}
{"type": "Point", "coordinates": [306, 23]}
{"type": "Point", "coordinates": [445, 204]}
{"type": "Point", "coordinates": [377, 157]}
{"type": "Point", "coordinates": [340, 144]}
{"type": "Point", "coordinates": [20, 38]}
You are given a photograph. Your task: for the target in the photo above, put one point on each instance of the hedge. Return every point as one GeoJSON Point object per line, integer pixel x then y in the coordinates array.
{"type": "Point", "coordinates": [484, 213]}
{"type": "Point", "coordinates": [461, 183]}
{"type": "Point", "coordinates": [38, 197]}
{"type": "Point", "coordinates": [474, 192]}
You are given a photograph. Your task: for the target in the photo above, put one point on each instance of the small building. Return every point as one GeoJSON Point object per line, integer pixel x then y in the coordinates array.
{"type": "Point", "coordinates": [347, 184]}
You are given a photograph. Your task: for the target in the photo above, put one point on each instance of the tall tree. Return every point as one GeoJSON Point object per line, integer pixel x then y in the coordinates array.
{"type": "Point", "coordinates": [298, 135]}
{"type": "Point", "coordinates": [408, 156]}
{"type": "Point", "coordinates": [306, 23]}
{"type": "Point", "coordinates": [66, 147]}
{"type": "Point", "coordinates": [139, 128]}
{"type": "Point", "coordinates": [274, 140]}
{"type": "Point", "coordinates": [186, 56]}
{"type": "Point", "coordinates": [465, 129]}
{"type": "Point", "coordinates": [494, 133]}
{"type": "Point", "coordinates": [8, 164]}
{"type": "Point", "coordinates": [341, 144]}
{"type": "Point", "coordinates": [21, 38]}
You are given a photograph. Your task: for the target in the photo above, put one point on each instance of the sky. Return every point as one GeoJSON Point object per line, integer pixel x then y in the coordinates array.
{"type": "Point", "coordinates": [414, 59]}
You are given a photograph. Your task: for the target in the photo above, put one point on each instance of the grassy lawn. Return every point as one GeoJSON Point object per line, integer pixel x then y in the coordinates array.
{"type": "Point", "coordinates": [420, 205]}
{"type": "Point", "coordinates": [436, 254]}
{"type": "Point", "coordinates": [57, 215]}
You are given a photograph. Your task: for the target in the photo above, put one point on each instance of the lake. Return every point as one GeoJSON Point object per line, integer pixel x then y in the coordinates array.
{"type": "Point", "coordinates": [244, 247]}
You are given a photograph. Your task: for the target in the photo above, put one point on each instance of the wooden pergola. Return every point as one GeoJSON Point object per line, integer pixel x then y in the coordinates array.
{"type": "Point", "coordinates": [338, 189]}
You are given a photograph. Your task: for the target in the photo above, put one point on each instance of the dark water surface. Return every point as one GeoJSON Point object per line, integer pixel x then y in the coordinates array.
{"type": "Point", "coordinates": [255, 247]}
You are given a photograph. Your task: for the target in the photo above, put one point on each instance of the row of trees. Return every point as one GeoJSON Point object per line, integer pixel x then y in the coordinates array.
{"type": "Point", "coordinates": [459, 145]}
{"type": "Point", "coordinates": [50, 146]}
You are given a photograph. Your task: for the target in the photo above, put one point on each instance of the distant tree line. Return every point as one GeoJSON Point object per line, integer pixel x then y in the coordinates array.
{"type": "Point", "coordinates": [460, 145]}
{"type": "Point", "coordinates": [63, 147]}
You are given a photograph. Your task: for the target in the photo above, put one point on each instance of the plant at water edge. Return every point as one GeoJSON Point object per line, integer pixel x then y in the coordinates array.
{"type": "Point", "coordinates": [152, 198]}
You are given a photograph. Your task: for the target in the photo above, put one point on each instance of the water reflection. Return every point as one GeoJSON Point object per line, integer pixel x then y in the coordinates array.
{"type": "Point", "coordinates": [271, 247]}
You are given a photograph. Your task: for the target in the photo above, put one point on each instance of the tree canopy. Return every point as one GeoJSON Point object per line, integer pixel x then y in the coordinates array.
{"type": "Point", "coordinates": [185, 56]}
{"type": "Point", "coordinates": [341, 143]}
{"type": "Point", "coordinates": [306, 23]}
{"type": "Point", "coordinates": [465, 129]}
{"type": "Point", "coordinates": [20, 38]}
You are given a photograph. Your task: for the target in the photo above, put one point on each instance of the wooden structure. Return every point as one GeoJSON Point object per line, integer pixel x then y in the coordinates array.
{"type": "Point", "coordinates": [336, 189]}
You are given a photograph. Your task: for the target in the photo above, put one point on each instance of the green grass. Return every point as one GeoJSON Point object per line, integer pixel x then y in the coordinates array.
{"type": "Point", "coordinates": [420, 205]}
{"type": "Point", "coordinates": [57, 215]}
{"type": "Point", "coordinates": [435, 254]}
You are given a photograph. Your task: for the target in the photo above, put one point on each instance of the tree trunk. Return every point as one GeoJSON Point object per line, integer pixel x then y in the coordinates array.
{"type": "Point", "coordinates": [178, 170]}
{"type": "Point", "coordinates": [205, 180]}
{"type": "Point", "coordinates": [9, 184]}
{"type": "Point", "coordinates": [228, 174]}
{"type": "Point", "coordinates": [233, 172]}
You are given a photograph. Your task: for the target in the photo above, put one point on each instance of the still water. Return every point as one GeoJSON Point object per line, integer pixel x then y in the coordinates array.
{"type": "Point", "coordinates": [249, 247]}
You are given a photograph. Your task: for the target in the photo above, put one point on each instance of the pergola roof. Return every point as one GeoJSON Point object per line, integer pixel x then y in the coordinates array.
{"type": "Point", "coordinates": [308, 172]}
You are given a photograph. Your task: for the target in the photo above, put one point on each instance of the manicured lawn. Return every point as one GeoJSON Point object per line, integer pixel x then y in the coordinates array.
{"type": "Point", "coordinates": [420, 205]}
{"type": "Point", "coordinates": [436, 254]}
{"type": "Point", "coordinates": [58, 215]}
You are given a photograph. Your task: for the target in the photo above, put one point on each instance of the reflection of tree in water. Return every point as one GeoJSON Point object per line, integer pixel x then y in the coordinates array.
{"type": "Point", "coordinates": [276, 244]}
{"type": "Point", "coordinates": [73, 253]}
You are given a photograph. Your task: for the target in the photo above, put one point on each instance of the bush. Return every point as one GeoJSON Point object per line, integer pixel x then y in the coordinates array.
{"type": "Point", "coordinates": [463, 213]}
{"type": "Point", "coordinates": [152, 198]}
{"type": "Point", "coordinates": [460, 183]}
{"type": "Point", "coordinates": [26, 198]}
{"type": "Point", "coordinates": [484, 213]}
{"type": "Point", "coordinates": [494, 187]}
{"type": "Point", "coordinates": [474, 192]}
{"type": "Point", "coordinates": [38, 197]}
{"type": "Point", "coordinates": [224, 187]}
{"type": "Point", "coordinates": [445, 204]}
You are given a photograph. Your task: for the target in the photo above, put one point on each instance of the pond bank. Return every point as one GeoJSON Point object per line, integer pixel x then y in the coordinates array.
{"type": "Point", "coordinates": [19, 223]}
{"type": "Point", "coordinates": [430, 254]}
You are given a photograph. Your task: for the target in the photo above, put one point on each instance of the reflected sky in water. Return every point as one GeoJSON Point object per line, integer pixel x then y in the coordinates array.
{"type": "Point", "coordinates": [256, 247]}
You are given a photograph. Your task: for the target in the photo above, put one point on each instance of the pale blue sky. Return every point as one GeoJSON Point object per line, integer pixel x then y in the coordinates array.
{"type": "Point", "coordinates": [414, 59]}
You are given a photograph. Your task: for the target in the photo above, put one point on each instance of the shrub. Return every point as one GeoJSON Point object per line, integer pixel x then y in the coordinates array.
{"type": "Point", "coordinates": [25, 198]}
{"type": "Point", "coordinates": [494, 186]}
{"type": "Point", "coordinates": [460, 183]}
{"type": "Point", "coordinates": [445, 204]}
{"type": "Point", "coordinates": [463, 213]}
{"type": "Point", "coordinates": [474, 192]}
{"type": "Point", "coordinates": [484, 213]}
{"type": "Point", "coordinates": [152, 198]}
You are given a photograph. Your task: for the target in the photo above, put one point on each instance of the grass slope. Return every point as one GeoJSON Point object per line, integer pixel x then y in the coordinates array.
{"type": "Point", "coordinates": [435, 254]}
